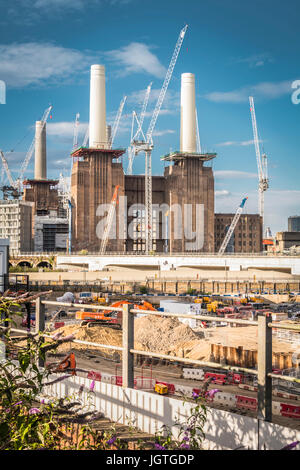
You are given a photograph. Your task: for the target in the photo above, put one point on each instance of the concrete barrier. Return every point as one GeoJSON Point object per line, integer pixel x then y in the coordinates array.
{"type": "Point", "coordinates": [190, 373]}
{"type": "Point", "coordinates": [148, 411]}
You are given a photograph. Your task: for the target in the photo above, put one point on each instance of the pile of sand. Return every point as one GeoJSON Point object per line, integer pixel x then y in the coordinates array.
{"type": "Point", "coordinates": [164, 335]}
{"type": "Point", "coordinates": [152, 333]}
{"type": "Point", "coordinates": [169, 336]}
{"type": "Point", "coordinates": [96, 334]}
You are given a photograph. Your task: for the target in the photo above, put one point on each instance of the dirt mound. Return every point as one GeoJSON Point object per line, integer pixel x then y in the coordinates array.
{"type": "Point", "coordinates": [157, 334]}
{"type": "Point", "coordinates": [96, 334]}
{"type": "Point", "coordinates": [164, 335]}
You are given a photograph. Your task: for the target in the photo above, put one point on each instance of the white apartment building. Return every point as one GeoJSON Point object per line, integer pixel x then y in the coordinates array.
{"type": "Point", "coordinates": [16, 225]}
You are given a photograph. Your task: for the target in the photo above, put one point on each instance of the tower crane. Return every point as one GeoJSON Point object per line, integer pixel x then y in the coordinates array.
{"type": "Point", "coordinates": [7, 170]}
{"type": "Point", "coordinates": [147, 145]}
{"type": "Point", "coordinates": [86, 137]}
{"type": "Point", "coordinates": [117, 122]}
{"type": "Point", "coordinates": [76, 130]}
{"type": "Point", "coordinates": [232, 227]}
{"type": "Point", "coordinates": [262, 163]}
{"type": "Point", "coordinates": [16, 185]}
{"type": "Point", "coordinates": [110, 217]}
{"type": "Point", "coordinates": [140, 122]}
{"type": "Point", "coordinates": [197, 135]}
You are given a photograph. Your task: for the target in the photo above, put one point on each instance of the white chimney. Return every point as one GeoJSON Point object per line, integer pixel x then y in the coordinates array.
{"type": "Point", "coordinates": [40, 161]}
{"type": "Point", "coordinates": [97, 137]}
{"type": "Point", "coordinates": [108, 133]}
{"type": "Point", "coordinates": [188, 114]}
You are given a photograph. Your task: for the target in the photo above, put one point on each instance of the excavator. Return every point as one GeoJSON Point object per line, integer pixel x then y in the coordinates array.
{"type": "Point", "coordinates": [111, 317]}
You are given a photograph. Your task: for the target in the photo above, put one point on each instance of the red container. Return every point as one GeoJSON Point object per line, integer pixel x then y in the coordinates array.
{"type": "Point", "coordinates": [246, 403]}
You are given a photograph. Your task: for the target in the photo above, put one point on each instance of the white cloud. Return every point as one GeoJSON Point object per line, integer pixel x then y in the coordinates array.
{"type": "Point", "coordinates": [256, 60]}
{"type": "Point", "coordinates": [233, 174]}
{"type": "Point", "coordinates": [242, 143]}
{"type": "Point", "coordinates": [48, 6]}
{"type": "Point", "coordinates": [279, 204]}
{"type": "Point", "coordinates": [266, 90]}
{"type": "Point", "coordinates": [39, 63]}
{"type": "Point", "coordinates": [222, 193]}
{"type": "Point", "coordinates": [163, 132]}
{"type": "Point", "coordinates": [65, 129]}
{"type": "Point", "coordinates": [55, 4]}
{"type": "Point", "coordinates": [136, 58]}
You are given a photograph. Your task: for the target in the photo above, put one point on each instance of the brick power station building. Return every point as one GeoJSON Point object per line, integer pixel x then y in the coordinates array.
{"type": "Point", "coordinates": [184, 218]}
{"type": "Point", "coordinates": [186, 186]}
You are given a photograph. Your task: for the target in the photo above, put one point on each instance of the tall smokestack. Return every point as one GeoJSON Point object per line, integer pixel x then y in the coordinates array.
{"type": "Point", "coordinates": [40, 161]}
{"type": "Point", "coordinates": [97, 137]}
{"type": "Point", "coordinates": [188, 114]}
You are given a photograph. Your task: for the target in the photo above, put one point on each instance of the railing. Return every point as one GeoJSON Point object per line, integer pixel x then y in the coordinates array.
{"type": "Point", "coordinates": [264, 365]}
{"type": "Point", "coordinates": [158, 254]}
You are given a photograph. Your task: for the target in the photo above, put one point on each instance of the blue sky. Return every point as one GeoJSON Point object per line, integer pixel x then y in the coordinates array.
{"type": "Point", "coordinates": [234, 48]}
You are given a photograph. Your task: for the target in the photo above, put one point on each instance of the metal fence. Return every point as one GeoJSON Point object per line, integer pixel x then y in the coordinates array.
{"type": "Point", "coordinates": [157, 254]}
{"type": "Point", "coordinates": [264, 365]}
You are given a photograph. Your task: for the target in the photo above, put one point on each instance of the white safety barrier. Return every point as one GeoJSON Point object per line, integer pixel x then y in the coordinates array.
{"type": "Point", "coordinates": [196, 374]}
{"type": "Point", "coordinates": [149, 411]}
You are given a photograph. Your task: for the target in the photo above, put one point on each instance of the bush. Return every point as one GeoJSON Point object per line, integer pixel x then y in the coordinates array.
{"type": "Point", "coordinates": [143, 290]}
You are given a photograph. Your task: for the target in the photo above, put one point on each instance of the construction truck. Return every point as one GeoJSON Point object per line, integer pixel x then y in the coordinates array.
{"type": "Point", "coordinates": [111, 318]}
{"type": "Point", "coordinates": [161, 389]}
{"type": "Point", "coordinates": [100, 300]}
{"type": "Point", "coordinates": [213, 306]}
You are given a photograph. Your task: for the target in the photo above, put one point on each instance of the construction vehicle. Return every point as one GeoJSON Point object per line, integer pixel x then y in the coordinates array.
{"type": "Point", "coordinates": [100, 300]}
{"type": "Point", "coordinates": [213, 306]}
{"type": "Point", "coordinates": [67, 364]}
{"type": "Point", "coordinates": [161, 389]}
{"type": "Point", "coordinates": [109, 318]}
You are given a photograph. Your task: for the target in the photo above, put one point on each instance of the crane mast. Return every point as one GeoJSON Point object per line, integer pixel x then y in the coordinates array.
{"type": "Point", "coordinates": [140, 121]}
{"type": "Point", "coordinates": [117, 122]}
{"type": "Point", "coordinates": [232, 227]}
{"type": "Point", "coordinates": [7, 170]}
{"type": "Point", "coordinates": [262, 163]}
{"type": "Point", "coordinates": [76, 129]}
{"type": "Point", "coordinates": [110, 217]}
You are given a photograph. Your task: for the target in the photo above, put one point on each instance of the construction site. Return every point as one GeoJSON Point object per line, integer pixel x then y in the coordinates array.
{"type": "Point", "coordinates": [107, 209]}
{"type": "Point", "coordinates": [176, 349]}
{"type": "Point", "coordinates": [153, 297]}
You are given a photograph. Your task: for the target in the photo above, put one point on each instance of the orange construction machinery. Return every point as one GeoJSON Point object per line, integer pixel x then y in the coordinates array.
{"type": "Point", "coordinates": [111, 317]}
{"type": "Point", "coordinates": [68, 364]}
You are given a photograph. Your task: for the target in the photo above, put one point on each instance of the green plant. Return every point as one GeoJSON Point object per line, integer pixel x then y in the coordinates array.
{"type": "Point", "coordinates": [190, 435]}
{"type": "Point", "coordinates": [191, 291]}
{"type": "Point", "coordinates": [143, 290]}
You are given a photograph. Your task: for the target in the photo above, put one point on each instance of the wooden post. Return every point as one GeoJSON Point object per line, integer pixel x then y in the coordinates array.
{"type": "Point", "coordinates": [264, 393]}
{"type": "Point", "coordinates": [128, 343]}
{"type": "Point", "coordinates": [39, 315]}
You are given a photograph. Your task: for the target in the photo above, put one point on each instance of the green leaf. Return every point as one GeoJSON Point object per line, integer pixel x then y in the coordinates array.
{"type": "Point", "coordinates": [24, 361]}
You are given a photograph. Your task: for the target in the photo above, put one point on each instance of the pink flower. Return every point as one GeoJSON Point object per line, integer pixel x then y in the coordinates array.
{"type": "Point", "coordinates": [34, 411]}
{"type": "Point", "coordinates": [92, 386]}
{"type": "Point", "coordinates": [211, 393]}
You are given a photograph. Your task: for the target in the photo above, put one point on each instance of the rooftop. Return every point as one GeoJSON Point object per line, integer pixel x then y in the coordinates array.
{"type": "Point", "coordinates": [177, 156]}
{"type": "Point", "coordinates": [83, 151]}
